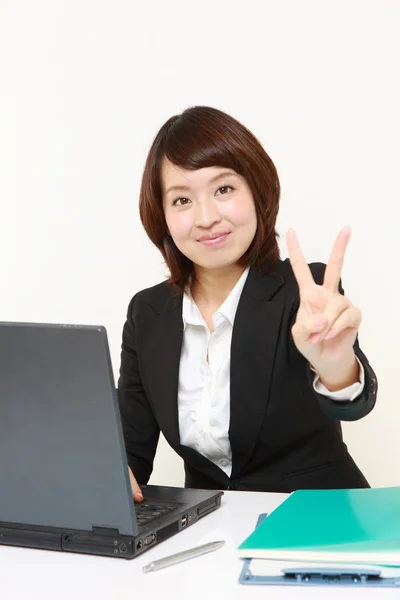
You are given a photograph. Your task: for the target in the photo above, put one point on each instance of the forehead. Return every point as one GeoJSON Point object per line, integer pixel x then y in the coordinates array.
{"type": "Point", "coordinates": [174, 176]}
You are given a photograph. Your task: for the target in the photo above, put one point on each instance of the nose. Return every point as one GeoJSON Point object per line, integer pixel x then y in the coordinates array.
{"type": "Point", "coordinates": [207, 214]}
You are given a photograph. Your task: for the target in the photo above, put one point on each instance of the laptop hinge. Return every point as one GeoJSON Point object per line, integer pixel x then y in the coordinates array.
{"type": "Point", "coordinates": [104, 541]}
{"type": "Point", "coordinates": [105, 531]}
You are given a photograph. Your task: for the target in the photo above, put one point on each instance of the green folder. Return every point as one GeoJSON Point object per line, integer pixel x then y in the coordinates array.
{"type": "Point", "coordinates": [357, 525]}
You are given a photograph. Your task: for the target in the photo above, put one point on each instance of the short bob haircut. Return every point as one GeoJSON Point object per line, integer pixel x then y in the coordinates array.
{"type": "Point", "coordinates": [206, 137]}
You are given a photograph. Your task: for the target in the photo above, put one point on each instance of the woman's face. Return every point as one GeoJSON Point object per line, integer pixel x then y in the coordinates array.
{"type": "Point", "coordinates": [210, 214]}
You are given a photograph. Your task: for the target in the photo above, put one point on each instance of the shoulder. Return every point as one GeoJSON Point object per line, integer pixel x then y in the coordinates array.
{"type": "Point", "coordinates": [283, 272]}
{"type": "Point", "coordinates": [284, 268]}
{"type": "Point", "coordinates": [290, 289]}
{"type": "Point", "coordinates": [156, 298]}
{"type": "Point", "coordinates": [317, 270]}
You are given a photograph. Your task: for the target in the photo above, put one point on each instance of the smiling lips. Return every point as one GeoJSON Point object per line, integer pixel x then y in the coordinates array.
{"type": "Point", "coordinates": [213, 239]}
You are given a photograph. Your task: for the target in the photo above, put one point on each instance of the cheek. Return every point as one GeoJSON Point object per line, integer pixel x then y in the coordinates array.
{"type": "Point", "coordinates": [241, 213]}
{"type": "Point", "coordinates": [179, 226]}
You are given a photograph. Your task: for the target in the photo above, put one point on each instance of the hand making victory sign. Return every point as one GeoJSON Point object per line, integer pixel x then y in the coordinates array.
{"type": "Point", "coordinates": [327, 322]}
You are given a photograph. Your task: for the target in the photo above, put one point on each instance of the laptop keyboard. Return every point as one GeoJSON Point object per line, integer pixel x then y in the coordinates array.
{"type": "Point", "coordinates": [147, 512]}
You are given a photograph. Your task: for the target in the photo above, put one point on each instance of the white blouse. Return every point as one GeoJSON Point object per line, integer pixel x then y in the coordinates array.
{"type": "Point", "coordinates": [204, 392]}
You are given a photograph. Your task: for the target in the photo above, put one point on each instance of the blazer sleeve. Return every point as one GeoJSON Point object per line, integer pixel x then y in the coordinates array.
{"type": "Point", "coordinates": [141, 431]}
{"type": "Point", "coordinates": [365, 402]}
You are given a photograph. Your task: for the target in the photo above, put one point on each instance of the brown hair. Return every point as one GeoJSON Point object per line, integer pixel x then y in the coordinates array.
{"type": "Point", "coordinates": [206, 137]}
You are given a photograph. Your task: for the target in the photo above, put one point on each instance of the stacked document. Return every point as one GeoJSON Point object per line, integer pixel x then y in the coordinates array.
{"type": "Point", "coordinates": [357, 529]}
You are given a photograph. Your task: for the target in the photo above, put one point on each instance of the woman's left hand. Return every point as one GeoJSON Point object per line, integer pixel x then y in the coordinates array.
{"type": "Point", "coordinates": [327, 322]}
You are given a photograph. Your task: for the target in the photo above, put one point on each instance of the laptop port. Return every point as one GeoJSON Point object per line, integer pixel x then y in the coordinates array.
{"type": "Point", "coordinates": [204, 510]}
{"type": "Point", "coordinates": [149, 540]}
{"type": "Point", "coordinates": [139, 545]}
{"type": "Point", "coordinates": [184, 521]}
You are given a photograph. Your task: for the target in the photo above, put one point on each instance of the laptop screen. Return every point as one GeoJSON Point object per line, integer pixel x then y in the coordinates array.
{"type": "Point", "coordinates": [62, 454]}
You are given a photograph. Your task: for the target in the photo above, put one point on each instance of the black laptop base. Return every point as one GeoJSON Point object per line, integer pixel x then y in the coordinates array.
{"type": "Point", "coordinates": [103, 541]}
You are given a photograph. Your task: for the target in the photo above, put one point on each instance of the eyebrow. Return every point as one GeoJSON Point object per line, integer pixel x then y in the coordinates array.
{"type": "Point", "coordinates": [178, 188]}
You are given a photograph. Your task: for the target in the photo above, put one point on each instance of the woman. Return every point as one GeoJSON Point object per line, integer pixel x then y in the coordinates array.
{"type": "Point", "coordinates": [246, 363]}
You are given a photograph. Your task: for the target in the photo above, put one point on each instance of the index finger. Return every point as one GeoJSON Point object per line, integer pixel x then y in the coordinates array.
{"type": "Point", "coordinates": [334, 266]}
{"type": "Point", "coordinates": [136, 491]}
{"type": "Point", "coordinates": [300, 267]}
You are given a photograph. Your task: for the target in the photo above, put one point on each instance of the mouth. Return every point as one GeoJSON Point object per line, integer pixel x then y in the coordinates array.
{"type": "Point", "coordinates": [213, 239]}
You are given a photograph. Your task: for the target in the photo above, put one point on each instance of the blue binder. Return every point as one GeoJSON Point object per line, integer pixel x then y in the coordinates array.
{"type": "Point", "coordinates": [345, 577]}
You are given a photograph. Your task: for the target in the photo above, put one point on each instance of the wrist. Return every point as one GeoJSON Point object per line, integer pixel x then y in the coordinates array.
{"type": "Point", "coordinates": [339, 375]}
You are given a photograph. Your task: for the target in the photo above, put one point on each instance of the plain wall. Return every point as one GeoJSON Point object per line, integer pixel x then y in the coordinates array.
{"type": "Point", "coordinates": [85, 86]}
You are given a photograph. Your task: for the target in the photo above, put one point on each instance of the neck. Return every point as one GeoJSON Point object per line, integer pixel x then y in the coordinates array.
{"type": "Point", "coordinates": [213, 286]}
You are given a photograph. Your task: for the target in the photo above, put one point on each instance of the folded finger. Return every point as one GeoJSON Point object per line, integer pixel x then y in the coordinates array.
{"type": "Point", "coordinates": [350, 318]}
{"type": "Point", "coordinates": [336, 306]}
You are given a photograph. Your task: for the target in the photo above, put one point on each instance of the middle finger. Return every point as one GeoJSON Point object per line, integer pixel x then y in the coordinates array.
{"type": "Point", "coordinates": [335, 263]}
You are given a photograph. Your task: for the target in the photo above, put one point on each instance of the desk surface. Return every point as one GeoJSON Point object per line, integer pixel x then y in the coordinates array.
{"type": "Point", "coordinates": [33, 574]}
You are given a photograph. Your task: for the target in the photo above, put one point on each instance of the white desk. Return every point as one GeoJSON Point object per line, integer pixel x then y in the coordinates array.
{"type": "Point", "coordinates": [38, 574]}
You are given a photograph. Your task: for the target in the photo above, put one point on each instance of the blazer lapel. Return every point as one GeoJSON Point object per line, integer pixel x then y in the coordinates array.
{"type": "Point", "coordinates": [164, 357]}
{"type": "Point", "coordinates": [254, 340]}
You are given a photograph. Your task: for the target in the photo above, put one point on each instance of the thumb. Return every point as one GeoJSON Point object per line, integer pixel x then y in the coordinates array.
{"type": "Point", "coordinates": [136, 491]}
{"type": "Point", "coordinates": [306, 326]}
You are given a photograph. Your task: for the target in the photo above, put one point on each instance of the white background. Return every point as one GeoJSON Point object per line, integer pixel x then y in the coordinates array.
{"type": "Point", "coordinates": [85, 86]}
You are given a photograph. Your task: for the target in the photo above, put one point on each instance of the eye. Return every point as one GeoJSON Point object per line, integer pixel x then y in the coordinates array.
{"type": "Point", "coordinates": [181, 202]}
{"type": "Point", "coordinates": [224, 189]}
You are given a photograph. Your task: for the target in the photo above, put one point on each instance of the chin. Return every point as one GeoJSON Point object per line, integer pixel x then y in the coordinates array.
{"type": "Point", "coordinates": [216, 262]}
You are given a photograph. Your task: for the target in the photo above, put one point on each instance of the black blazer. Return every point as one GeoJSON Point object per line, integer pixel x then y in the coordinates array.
{"type": "Point", "coordinates": [284, 436]}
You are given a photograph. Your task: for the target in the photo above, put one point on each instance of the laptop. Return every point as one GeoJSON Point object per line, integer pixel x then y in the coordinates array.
{"type": "Point", "coordinates": [64, 481]}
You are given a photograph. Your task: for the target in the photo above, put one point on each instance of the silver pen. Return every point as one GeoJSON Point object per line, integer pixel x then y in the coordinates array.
{"type": "Point", "coordinates": [174, 559]}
